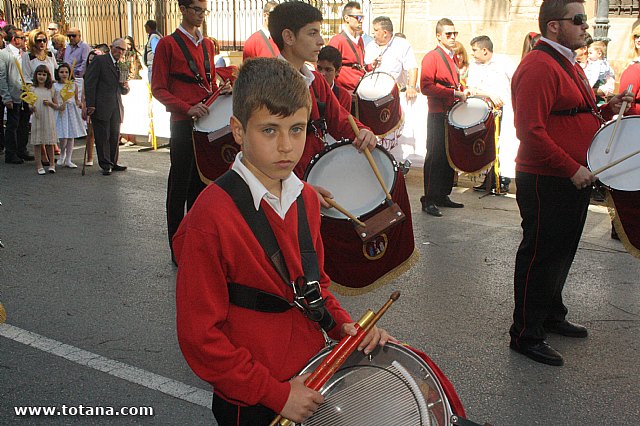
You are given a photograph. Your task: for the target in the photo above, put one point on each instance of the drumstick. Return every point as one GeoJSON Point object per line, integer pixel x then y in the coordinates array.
{"type": "Point", "coordinates": [620, 114]}
{"type": "Point", "coordinates": [618, 161]}
{"type": "Point", "coordinates": [344, 211]}
{"type": "Point", "coordinates": [372, 162]}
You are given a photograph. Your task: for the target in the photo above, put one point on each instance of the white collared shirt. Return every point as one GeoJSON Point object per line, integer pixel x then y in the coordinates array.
{"type": "Point", "coordinates": [266, 32]}
{"type": "Point", "coordinates": [291, 189]}
{"type": "Point", "coordinates": [193, 39]}
{"type": "Point", "coordinates": [492, 77]}
{"type": "Point", "coordinates": [17, 53]}
{"type": "Point", "coordinates": [346, 29]}
{"type": "Point", "coordinates": [305, 72]}
{"type": "Point", "coordinates": [447, 51]}
{"type": "Point", "coordinates": [115, 63]}
{"type": "Point", "coordinates": [564, 51]}
{"type": "Point", "coordinates": [397, 58]}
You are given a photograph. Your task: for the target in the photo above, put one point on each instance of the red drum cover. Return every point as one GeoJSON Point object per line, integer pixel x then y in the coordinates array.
{"type": "Point", "coordinates": [624, 207]}
{"type": "Point", "coordinates": [214, 156]}
{"type": "Point", "coordinates": [356, 267]}
{"type": "Point", "coordinates": [379, 103]}
{"type": "Point", "coordinates": [471, 147]}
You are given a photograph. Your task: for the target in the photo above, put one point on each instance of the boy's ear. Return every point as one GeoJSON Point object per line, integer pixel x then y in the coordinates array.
{"type": "Point", "coordinates": [237, 130]}
{"type": "Point", "coordinates": [338, 71]}
{"type": "Point", "coordinates": [288, 37]}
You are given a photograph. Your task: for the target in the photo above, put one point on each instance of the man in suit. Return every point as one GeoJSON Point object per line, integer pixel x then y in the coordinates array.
{"type": "Point", "coordinates": [103, 93]}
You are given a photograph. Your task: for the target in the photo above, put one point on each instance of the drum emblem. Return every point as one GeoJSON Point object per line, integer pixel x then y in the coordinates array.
{"type": "Point", "coordinates": [376, 248]}
{"type": "Point", "coordinates": [228, 153]}
{"type": "Point", "coordinates": [385, 115]}
{"type": "Point", "coordinates": [478, 147]}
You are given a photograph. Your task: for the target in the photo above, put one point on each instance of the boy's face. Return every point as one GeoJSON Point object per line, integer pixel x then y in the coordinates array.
{"type": "Point", "coordinates": [308, 42]}
{"type": "Point", "coordinates": [271, 145]}
{"type": "Point", "coordinates": [327, 70]}
{"type": "Point", "coordinates": [594, 54]}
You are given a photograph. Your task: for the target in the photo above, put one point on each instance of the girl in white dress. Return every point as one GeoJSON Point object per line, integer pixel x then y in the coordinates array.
{"type": "Point", "coordinates": [43, 118]}
{"type": "Point", "coordinates": [69, 123]}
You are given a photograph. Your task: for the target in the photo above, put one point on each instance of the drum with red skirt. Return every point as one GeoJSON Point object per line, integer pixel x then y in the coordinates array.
{"type": "Point", "coordinates": [378, 105]}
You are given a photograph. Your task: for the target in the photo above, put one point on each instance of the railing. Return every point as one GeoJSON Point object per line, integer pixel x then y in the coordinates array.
{"type": "Point", "coordinates": [624, 7]}
{"type": "Point", "coordinates": [100, 21]}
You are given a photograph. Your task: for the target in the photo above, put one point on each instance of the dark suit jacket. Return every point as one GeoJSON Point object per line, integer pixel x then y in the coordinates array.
{"type": "Point", "coordinates": [103, 90]}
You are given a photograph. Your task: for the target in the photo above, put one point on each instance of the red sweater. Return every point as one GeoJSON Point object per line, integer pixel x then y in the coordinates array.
{"type": "Point", "coordinates": [632, 76]}
{"type": "Point", "coordinates": [337, 121]}
{"type": "Point", "coordinates": [551, 145]}
{"type": "Point", "coordinates": [247, 356]}
{"type": "Point", "coordinates": [344, 97]}
{"type": "Point", "coordinates": [437, 83]}
{"type": "Point", "coordinates": [349, 77]}
{"type": "Point", "coordinates": [175, 94]}
{"type": "Point", "coordinates": [255, 46]}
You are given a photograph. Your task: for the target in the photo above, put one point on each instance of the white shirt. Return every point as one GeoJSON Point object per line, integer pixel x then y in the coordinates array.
{"type": "Point", "coordinates": [196, 40]}
{"type": "Point", "coordinates": [17, 53]}
{"type": "Point", "coordinates": [397, 58]}
{"type": "Point", "coordinates": [492, 77]}
{"type": "Point", "coordinates": [565, 51]}
{"type": "Point", "coordinates": [305, 72]}
{"type": "Point", "coordinates": [291, 189]}
{"type": "Point", "coordinates": [346, 30]}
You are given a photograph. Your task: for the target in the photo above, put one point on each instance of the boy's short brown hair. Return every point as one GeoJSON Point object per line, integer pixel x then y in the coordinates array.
{"type": "Point", "coordinates": [271, 83]}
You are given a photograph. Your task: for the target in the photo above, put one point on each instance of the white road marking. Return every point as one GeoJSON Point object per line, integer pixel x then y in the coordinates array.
{"type": "Point", "coordinates": [115, 368]}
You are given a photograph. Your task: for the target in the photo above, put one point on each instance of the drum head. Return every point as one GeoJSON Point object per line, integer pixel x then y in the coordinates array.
{"type": "Point", "coordinates": [220, 112]}
{"type": "Point", "coordinates": [390, 386]}
{"type": "Point", "coordinates": [626, 175]}
{"type": "Point", "coordinates": [467, 114]}
{"type": "Point", "coordinates": [346, 173]}
{"type": "Point", "coordinates": [375, 85]}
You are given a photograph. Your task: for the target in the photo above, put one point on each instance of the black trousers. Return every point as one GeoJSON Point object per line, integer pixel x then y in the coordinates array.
{"type": "Point", "coordinates": [438, 174]}
{"type": "Point", "coordinates": [184, 184]}
{"type": "Point", "coordinates": [228, 414]}
{"type": "Point", "coordinates": [107, 137]}
{"type": "Point", "coordinates": [553, 214]}
{"type": "Point", "coordinates": [16, 135]}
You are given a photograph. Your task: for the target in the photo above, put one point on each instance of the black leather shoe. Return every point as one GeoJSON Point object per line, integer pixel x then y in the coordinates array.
{"type": "Point", "coordinates": [614, 233]}
{"type": "Point", "coordinates": [539, 352]}
{"type": "Point", "coordinates": [13, 160]}
{"type": "Point", "coordinates": [27, 157]}
{"type": "Point", "coordinates": [446, 202]}
{"type": "Point", "coordinates": [119, 168]}
{"type": "Point", "coordinates": [480, 188]}
{"type": "Point", "coordinates": [432, 209]}
{"type": "Point", "coordinates": [567, 329]}
{"type": "Point", "coordinates": [106, 171]}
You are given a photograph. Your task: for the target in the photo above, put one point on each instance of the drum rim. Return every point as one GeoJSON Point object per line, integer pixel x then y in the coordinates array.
{"type": "Point", "coordinates": [227, 125]}
{"type": "Point", "coordinates": [610, 123]}
{"type": "Point", "coordinates": [355, 91]}
{"type": "Point", "coordinates": [340, 144]}
{"type": "Point", "coordinates": [489, 109]}
{"type": "Point", "coordinates": [399, 348]}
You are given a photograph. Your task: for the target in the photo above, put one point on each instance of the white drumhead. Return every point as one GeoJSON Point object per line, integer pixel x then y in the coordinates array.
{"type": "Point", "coordinates": [346, 173]}
{"type": "Point", "coordinates": [374, 86]}
{"type": "Point", "coordinates": [467, 114]}
{"type": "Point", "coordinates": [626, 175]}
{"type": "Point", "coordinates": [220, 112]}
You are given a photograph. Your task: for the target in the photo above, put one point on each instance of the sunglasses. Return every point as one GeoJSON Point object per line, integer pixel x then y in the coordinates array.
{"type": "Point", "coordinates": [41, 40]}
{"type": "Point", "coordinates": [358, 18]}
{"type": "Point", "coordinates": [19, 37]}
{"type": "Point", "coordinates": [636, 36]}
{"type": "Point", "coordinates": [52, 29]}
{"type": "Point", "coordinates": [72, 35]}
{"type": "Point", "coordinates": [578, 19]}
{"type": "Point", "coordinates": [199, 11]}
{"type": "Point", "coordinates": [451, 34]}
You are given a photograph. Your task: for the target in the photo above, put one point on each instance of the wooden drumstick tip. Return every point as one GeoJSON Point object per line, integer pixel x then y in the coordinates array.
{"type": "Point", "coordinates": [395, 296]}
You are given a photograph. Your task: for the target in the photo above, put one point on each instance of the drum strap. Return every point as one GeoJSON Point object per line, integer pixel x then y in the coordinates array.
{"type": "Point", "coordinates": [319, 125]}
{"type": "Point", "coordinates": [354, 50]}
{"type": "Point", "coordinates": [456, 81]}
{"type": "Point", "coordinates": [266, 41]}
{"type": "Point", "coordinates": [306, 289]}
{"type": "Point", "coordinates": [197, 77]}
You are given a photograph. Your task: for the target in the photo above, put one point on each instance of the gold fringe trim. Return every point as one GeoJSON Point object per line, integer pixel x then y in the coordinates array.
{"type": "Point", "coordinates": [385, 279]}
{"type": "Point", "coordinates": [453, 166]}
{"type": "Point", "coordinates": [631, 249]}
{"type": "Point", "coordinates": [3, 314]}
{"type": "Point", "coordinates": [396, 127]}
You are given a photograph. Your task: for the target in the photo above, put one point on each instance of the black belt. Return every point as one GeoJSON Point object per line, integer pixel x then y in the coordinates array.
{"type": "Point", "coordinates": [572, 111]}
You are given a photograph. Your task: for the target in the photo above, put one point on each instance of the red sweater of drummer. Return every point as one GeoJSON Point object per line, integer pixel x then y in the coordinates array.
{"type": "Point", "coordinates": [350, 44]}
{"type": "Point", "coordinates": [260, 44]}
{"type": "Point", "coordinates": [439, 80]}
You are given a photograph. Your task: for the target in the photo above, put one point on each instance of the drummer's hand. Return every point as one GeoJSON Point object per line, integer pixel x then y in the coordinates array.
{"type": "Point", "coordinates": [616, 102]}
{"type": "Point", "coordinates": [412, 93]}
{"type": "Point", "coordinates": [302, 401]}
{"type": "Point", "coordinates": [375, 336]}
{"type": "Point", "coordinates": [460, 95]}
{"type": "Point", "coordinates": [323, 192]}
{"type": "Point", "coordinates": [198, 110]}
{"type": "Point", "coordinates": [226, 88]}
{"type": "Point", "coordinates": [365, 139]}
{"type": "Point", "coordinates": [583, 178]}
{"type": "Point", "coordinates": [497, 101]}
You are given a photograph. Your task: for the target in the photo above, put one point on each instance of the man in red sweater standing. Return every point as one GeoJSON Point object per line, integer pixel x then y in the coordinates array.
{"type": "Point", "coordinates": [182, 89]}
{"type": "Point", "coordinates": [349, 43]}
{"type": "Point", "coordinates": [439, 81]}
{"type": "Point", "coordinates": [260, 44]}
{"type": "Point", "coordinates": [556, 118]}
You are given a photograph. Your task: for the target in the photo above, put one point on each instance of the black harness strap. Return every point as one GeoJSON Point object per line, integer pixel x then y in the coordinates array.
{"type": "Point", "coordinates": [197, 77]}
{"type": "Point", "coordinates": [266, 41]}
{"type": "Point", "coordinates": [449, 68]}
{"type": "Point", "coordinates": [355, 52]}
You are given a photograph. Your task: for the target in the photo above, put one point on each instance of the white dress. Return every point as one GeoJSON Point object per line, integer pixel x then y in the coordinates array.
{"type": "Point", "coordinates": [43, 120]}
{"type": "Point", "coordinates": [69, 123]}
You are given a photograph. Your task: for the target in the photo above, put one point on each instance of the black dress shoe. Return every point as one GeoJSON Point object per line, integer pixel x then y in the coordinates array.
{"type": "Point", "coordinates": [446, 202]}
{"type": "Point", "coordinates": [567, 329]}
{"type": "Point", "coordinates": [614, 233]}
{"type": "Point", "coordinates": [119, 168]}
{"type": "Point", "coordinates": [106, 171]}
{"type": "Point", "coordinates": [539, 352]}
{"type": "Point", "coordinates": [27, 157]}
{"type": "Point", "coordinates": [13, 160]}
{"type": "Point", "coordinates": [432, 209]}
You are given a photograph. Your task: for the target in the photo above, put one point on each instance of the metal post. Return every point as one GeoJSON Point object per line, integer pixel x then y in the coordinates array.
{"type": "Point", "coordinates": [130, 18]}
{"type": "Point", "coordinates": [601, 27]}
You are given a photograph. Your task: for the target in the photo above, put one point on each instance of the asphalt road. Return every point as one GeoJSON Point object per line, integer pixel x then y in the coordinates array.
{"type": "Point", "coordinates": [88, 287]}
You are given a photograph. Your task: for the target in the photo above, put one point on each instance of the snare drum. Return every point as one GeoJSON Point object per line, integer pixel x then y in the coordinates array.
{"type": "Point", "coordinates": [471, 135]}
{"type": "Point", "coordinates": [213, 144]}
{"type": "Point", "coordinates": [393, 385]}
{"type": "Point", "coordinates": [379, 103]}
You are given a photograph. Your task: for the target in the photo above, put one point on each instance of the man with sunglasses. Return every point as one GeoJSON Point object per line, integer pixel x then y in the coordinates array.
{"type": "Point", "coordinates": [182, 90]}
{"type": "Point", "coordinates": [556, 118]}
{"type": "Point", "coordinates": [77, 50]}
{"type": "Point", "coordinates": [351, 46]}
{"type": "Point", "coordinates": [440, 83]}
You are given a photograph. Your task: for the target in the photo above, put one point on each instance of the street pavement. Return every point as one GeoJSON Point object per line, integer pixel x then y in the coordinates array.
{"type": "Point", "coordinates": [88, 286]}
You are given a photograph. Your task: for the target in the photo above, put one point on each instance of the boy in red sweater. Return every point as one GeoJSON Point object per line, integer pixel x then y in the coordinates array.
{"type": "Point", "coordinates": [247, 349]}
{"type": "Point", "coordinates": [329, 64]}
